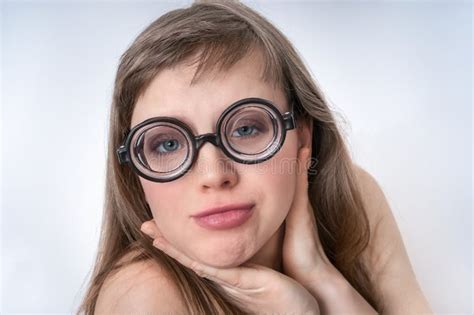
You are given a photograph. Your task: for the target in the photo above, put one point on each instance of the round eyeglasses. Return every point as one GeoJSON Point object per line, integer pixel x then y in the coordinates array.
{"type": "Point", "coordinates": [249, 131]}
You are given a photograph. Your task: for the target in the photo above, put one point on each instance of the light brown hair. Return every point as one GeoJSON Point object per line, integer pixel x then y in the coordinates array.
{"type": "Point", "coordinates": [218, 34]}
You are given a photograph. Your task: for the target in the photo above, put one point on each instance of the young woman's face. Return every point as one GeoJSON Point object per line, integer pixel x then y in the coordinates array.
{"type": "Point", "coordinates": [216, 180]}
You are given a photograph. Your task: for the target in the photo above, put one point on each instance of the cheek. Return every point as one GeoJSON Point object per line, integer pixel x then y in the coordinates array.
{"type": "Point", "coordinates": [271, 183]}
{"type": "Point", "coordinates": [281, 177]}
{"type": "Point", "coordinates": [164, 200]}
{"type": "Point", "coordinates": [278, 186]}
{"type": "Point", "coordinates": [276, 180]}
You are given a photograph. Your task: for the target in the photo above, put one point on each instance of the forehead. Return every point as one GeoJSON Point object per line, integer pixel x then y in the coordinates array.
{"type": "Point", "coordinates": [199, 105]}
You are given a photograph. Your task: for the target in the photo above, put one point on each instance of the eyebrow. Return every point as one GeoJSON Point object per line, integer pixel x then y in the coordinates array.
{"type": "Point", "coordinates": [184, 120]}
{"type": "Point", "coordinates": [193, 127]}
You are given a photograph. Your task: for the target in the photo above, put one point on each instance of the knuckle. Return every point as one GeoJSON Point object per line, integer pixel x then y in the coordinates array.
{"type": "Point", "coordinates": [194, 265]}
{"type": "Point", "coordinates": [237, 281]}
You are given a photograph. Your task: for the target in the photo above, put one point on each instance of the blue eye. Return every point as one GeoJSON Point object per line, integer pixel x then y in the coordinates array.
{"type": "Point", "coordinates": [245, 131]}
{"type": "Point", "coordinates": [168, 146]}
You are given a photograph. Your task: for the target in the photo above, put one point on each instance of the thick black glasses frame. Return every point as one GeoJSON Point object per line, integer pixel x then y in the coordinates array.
{"type": "Point", "coordinates": [287, 120]}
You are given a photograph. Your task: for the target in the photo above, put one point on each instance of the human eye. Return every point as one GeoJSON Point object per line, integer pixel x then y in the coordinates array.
{"type": "Point", "coordinates": [168, 146]}
{"type": "Point", "coordinates": [164, 145]}
{"type": "Point", "coordinates": [247, 130]}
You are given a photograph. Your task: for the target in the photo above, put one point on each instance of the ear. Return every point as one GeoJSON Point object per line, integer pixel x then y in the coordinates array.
{"type": "Point", "coordinates": [148, 211]}
{"type": "Point", "coordinates": [305, 132]}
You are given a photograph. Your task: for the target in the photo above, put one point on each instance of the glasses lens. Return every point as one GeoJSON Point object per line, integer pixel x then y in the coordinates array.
{"type": "Point", "coordinates": [165, 148]}
{"type": "Point", "coordinates": [250, 130]}
{"type": "Point", "coordinates": [249, 133]}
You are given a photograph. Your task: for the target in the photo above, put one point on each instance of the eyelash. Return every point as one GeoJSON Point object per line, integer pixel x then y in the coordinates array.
{"type": "Point", "coordinates": [255, 132]}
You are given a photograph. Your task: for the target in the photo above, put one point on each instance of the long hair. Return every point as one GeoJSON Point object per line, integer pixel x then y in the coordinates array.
{"type": "Point", "coordinates": [217, 34]}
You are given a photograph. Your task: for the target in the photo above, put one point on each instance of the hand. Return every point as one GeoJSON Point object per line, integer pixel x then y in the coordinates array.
{"type": "Point", "coordinates": [258, 289]}
{"type": "Point", "coordinates": [303, 256]}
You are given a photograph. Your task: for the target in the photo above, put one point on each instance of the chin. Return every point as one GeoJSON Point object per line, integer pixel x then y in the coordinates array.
{"type": "Point", "coordinates": [224, 263]}
{"type": "Point", "coordinates": [224, 258]}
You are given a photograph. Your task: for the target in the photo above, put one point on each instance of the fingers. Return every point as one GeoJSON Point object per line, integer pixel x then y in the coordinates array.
{"type": "Point", "coordinates": [244, 277]}
{"type": "Point", "coordinates": [304, 160]}
{"type": "Point", "coordinates": [170, 250]}
{"type": "Point", "coordinates": [301, 195]}
{"type": "Point", "coordinates": [302, 186]}
{"type": "Point", "coordinates": [150, 228]}
{"type": "Point", "coordinates": [240, 277]}
{"type": "Point", "coordinates": [300, 213]}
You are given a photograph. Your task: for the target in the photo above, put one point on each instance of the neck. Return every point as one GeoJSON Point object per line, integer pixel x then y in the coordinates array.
{"type": "Point", "coordinates": [270, 254]}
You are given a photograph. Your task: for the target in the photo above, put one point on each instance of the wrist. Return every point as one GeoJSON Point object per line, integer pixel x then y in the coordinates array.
{"type": "Point", "coordinates": [336, 295]}
{"type": "Point", "coordinates": [326, 283]}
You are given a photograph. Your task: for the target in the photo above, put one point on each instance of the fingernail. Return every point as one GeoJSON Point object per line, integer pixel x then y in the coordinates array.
{"type": "Point", "coordinates": [306, 151]}
{"type": "Point", "coordinates": [148, 231]}
{"type": "Point", "coordinates": [199, 272]}
{"type": "Point", "coordinates": [157, 242]}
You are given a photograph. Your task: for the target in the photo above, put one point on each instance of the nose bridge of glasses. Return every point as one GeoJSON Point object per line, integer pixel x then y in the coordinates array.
{"type": "Point", "coordinates": [207, 137]}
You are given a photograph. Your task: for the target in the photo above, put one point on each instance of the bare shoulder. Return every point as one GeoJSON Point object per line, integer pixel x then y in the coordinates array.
{"type": "Point", "coordinates": [140, 287]}
{"type": "Point", "coordinates": [386, 254]}
{"type": "Point", "coordinates": [385, 235]}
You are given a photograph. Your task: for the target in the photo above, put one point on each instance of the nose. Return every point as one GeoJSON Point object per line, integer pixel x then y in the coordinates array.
{"type": "Point", "coordinates": [213, 169]}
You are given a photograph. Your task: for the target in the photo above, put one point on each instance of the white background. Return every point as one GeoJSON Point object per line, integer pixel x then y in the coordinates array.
{"type": "Point", "coordinates": [399, 73]}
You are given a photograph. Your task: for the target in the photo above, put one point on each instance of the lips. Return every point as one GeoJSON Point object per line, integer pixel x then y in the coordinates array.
{"type": "Point", "coordinates": [207, 212]}
{"type": "Point", "coordinates": [225, 217]}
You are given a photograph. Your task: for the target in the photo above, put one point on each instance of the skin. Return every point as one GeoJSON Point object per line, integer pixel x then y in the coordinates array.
{"type": "Point", "coordinates": [244, 261]}
{"type": "Point", "coordinates": [259, 289]}
{"type": "Point", "coordinates": [259, 240]}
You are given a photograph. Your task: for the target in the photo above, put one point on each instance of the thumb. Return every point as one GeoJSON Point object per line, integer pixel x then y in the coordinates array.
{"type": "Point", "coordinates": [246, 276]}
{"type": "Point", "coordinates": [299, 208]}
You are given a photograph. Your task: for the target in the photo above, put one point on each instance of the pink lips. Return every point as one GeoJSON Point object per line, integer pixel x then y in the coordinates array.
{"type": "Point", "coordinates": [224, 217]}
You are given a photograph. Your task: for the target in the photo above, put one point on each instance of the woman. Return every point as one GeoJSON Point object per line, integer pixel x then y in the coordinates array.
{"type": "Point", "coordinates": [270, 216]}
